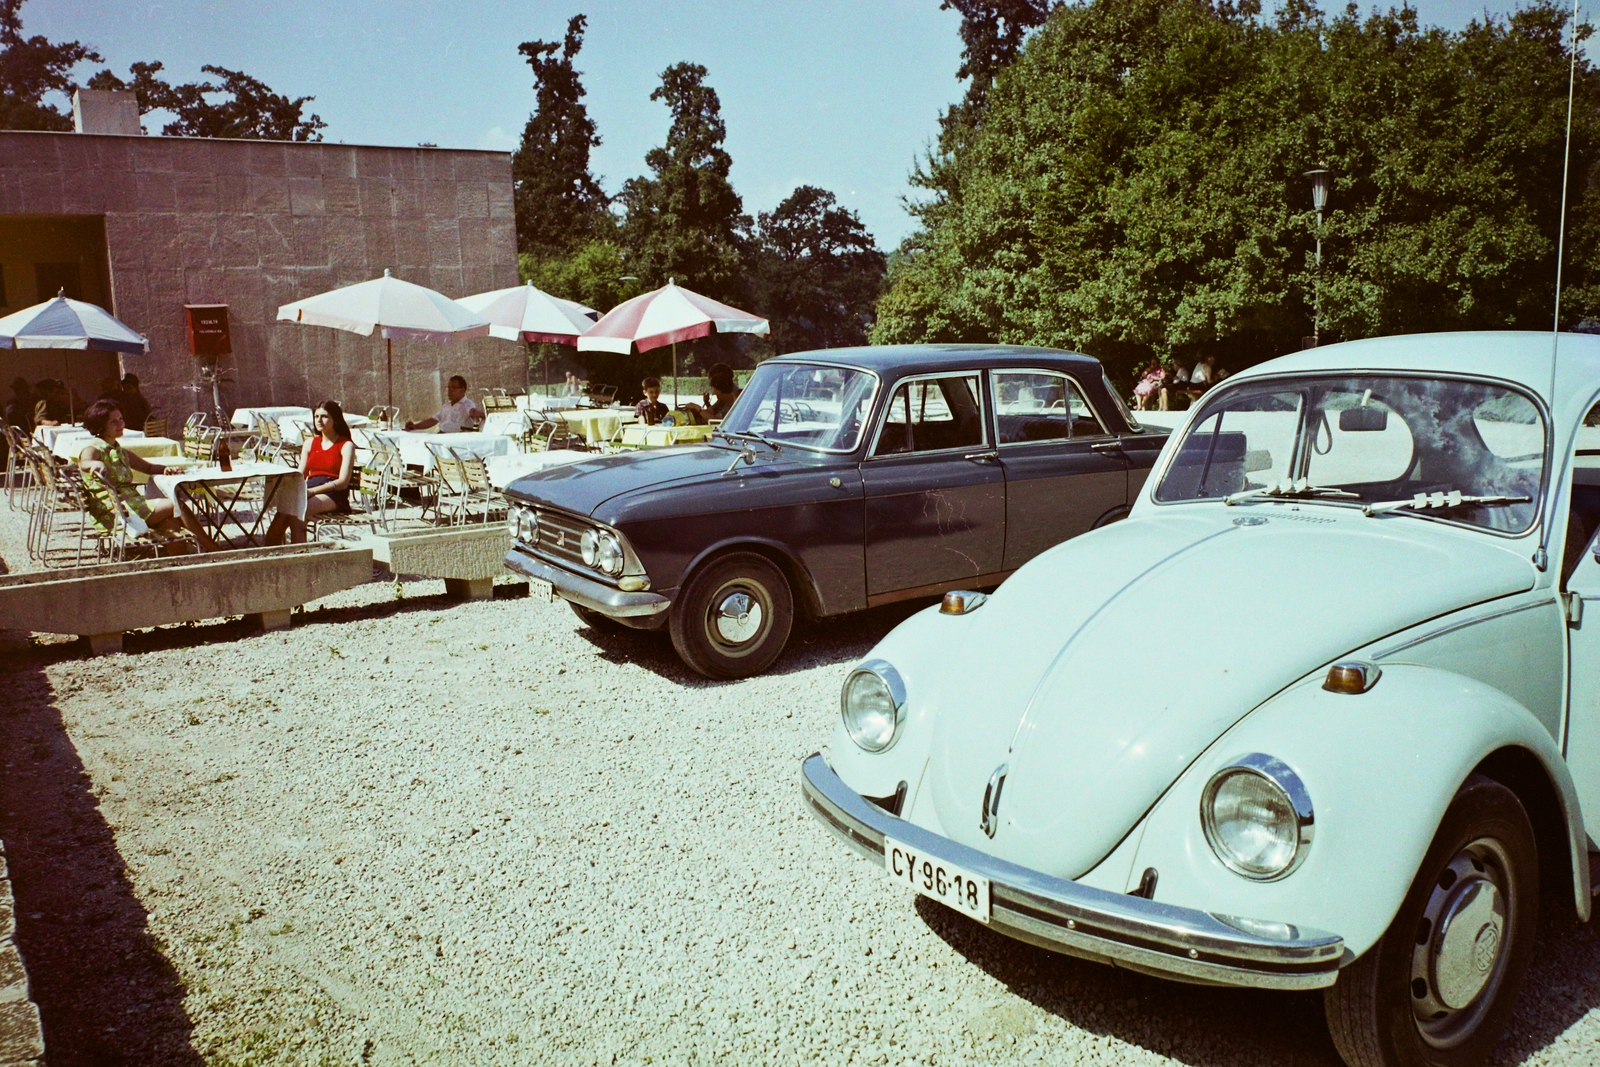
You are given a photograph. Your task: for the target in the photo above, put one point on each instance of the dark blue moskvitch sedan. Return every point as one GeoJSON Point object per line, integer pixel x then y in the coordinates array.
{"type": "Point", "coordinates": [840, 480]}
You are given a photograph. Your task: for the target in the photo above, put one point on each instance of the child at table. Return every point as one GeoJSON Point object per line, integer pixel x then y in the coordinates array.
{"type": "Point", "coordinates": [651, 410]}
{"type": "Point", "coordinates": [108, 475]}
{"type": "Point", "coordinates": [327, 459]}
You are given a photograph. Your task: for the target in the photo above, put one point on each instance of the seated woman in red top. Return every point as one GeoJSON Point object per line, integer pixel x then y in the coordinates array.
{"type": "Point", "coordinates": [327, 460]}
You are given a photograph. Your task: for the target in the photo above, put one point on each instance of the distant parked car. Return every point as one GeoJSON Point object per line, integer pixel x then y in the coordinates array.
{"type": "Point", "coordinates": [1321, 713]}
{"type": "Point", "coordinates": [840, 480]}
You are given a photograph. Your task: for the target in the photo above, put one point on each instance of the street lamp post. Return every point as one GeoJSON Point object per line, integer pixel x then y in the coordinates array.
{"type": "Point", "coordinates": [1321, 182]}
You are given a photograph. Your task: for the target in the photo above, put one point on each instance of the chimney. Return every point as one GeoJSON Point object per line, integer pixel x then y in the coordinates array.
{"type": "Point", "coordinates": [103, 111]}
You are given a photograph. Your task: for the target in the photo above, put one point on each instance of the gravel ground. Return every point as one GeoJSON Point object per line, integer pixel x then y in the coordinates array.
{"type": "Point", "coordinates": [411, 831]}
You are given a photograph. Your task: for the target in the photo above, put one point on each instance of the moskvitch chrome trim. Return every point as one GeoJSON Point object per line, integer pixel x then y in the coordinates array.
{"type": "Point", "coordinates": [1065, 916]}
{"type": "Point", "coordinates": [1282, 776]}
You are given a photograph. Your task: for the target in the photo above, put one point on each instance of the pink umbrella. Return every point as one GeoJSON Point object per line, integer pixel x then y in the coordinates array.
{"type": "Point", "coordinates": [664, 317]}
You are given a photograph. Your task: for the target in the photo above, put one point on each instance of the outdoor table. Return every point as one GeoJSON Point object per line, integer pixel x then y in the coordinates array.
{"type": "Point", "coordinates": [413, 445]}
{"type": "Point", "coordinates": [216, 498]}
{"type": "Point", "coordinates": [641, 436]}
{"type": "Point", "coordinates": [596, 424]}
{"type": "Point", "coordinates": [540, 402]}
{"type": "Point", "coordinates": [503, 470]}
{"type": "Point", "coordinates": [46, 435]}
{"type": "Point", "coordinates": [67, 445]}
{"type": "Point", "coordinates": [505, 422]}
{"type": "Point", "coordinates": [294, 427]}
{"type": "Point", "coordinates": [246, 417]}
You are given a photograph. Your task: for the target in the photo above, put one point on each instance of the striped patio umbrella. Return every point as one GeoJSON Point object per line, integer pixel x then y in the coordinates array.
{"type": "Point", "coordinates": [70, 324]}
{"type": "Point", "coordinates": [526, 313]}
{"type": "Point", "coordinates": [664, 317]}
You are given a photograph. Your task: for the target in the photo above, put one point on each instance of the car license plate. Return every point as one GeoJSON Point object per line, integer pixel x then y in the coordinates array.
{"type": "Point", "coordinates": [539, 589]}
{"type": "Point", "coordinates": [933, 877]}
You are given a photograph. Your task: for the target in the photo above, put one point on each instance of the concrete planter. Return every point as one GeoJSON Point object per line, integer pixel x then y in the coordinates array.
{"type": "Point", "coordinates": [102, 602]}
{"type": "Point", "coordinates": [468, 558]}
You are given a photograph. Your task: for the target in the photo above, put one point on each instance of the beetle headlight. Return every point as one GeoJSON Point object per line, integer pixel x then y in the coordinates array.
{"type": "Point", "coordinates": [873, 705]}
{"type": "Point", "coordinates": [1257, 817]}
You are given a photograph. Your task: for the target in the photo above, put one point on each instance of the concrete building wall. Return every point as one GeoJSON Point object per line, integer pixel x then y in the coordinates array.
{"type": "Point", "coordinates": [257, 224]}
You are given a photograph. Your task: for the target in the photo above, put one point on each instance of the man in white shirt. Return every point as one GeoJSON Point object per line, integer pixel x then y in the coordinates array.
{"type": "Point", "coordinates": [457, 415]}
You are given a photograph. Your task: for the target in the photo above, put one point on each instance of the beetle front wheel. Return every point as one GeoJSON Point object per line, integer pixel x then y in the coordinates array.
{"type": "Point", "coordinates": [1438, 989]}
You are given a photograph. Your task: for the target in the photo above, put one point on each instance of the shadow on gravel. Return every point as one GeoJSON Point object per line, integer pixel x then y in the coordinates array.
{"type": "Point", "coordinates": [1214, 1027]}
{"type": "Point", "coordinates": [1200, 1025]}
{"type": "Point", "coordinates": [105, 992]}
{"type": "Point", "coordinates": [812, 643]}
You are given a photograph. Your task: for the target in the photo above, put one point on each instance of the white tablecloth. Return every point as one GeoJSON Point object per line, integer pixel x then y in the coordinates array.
{"type": "Point", "coordinates": [244, 417]}
{"type": "Point", "coordinates": [46, 435]}
{"type": "Point", "coordinates": [290, 499]}
{"type": "Point", "coordinates": [503, 470]}
{"type": "Point", "coordinates": [413, 445]}
{"type": "Point", "coordinates": [68, 441]}
{"type": "Point", "coordinates": [505, 422]}
{"type": "Point", "coordinates": [294, 428]}
{"type": "Point", "coordinates": [540, 402]}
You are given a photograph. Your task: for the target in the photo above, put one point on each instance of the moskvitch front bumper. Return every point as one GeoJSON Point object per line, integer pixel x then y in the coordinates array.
{"type": "Point", "coordinates": [596, 596]}
{"type": "Point", "coordinates": [1054, 913]}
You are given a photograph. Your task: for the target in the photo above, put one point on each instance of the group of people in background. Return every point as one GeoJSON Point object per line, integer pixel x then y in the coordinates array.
{"type": "Point", "coordinates": [1163, 386]}
{"type": "Point", "coordinates": [713, 406]}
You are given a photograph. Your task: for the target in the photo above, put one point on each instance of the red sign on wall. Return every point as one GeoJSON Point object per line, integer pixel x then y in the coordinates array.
{"type": "Point", "coordinates": [208, 329]}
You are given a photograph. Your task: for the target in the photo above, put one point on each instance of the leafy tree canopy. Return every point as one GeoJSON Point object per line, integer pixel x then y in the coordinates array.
{"type": "Point", "coordinates": [1136, 186]}
{"type": "Point", "coordinates": [816, 272]}
{"type": "Point", "coordinates": [683, 221]}
{"type": "Point", "coordinates": [32, 68]}
{"type": "Point", "coordinates": [252, 111]}
{"type": "Point", "coordinates": [558, 202]}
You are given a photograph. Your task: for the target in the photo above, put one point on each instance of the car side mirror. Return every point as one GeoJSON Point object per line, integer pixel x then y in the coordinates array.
{"type": "Point", "coordinates": [1363, 420]}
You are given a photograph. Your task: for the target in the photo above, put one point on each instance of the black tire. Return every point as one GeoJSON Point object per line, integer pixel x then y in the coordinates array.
{"type": "Point", "coordinates": [1436, 993]}
{"type": "Point", "coordinates": [722, 645]}
{"type": "Point", "coordinates": [596, 620]}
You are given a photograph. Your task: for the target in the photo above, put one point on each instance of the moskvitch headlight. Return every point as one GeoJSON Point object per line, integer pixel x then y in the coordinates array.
{"type": "Point", "coordinates": [873, 705]}
{"type": "Point", "coordinates": [1257, 817]}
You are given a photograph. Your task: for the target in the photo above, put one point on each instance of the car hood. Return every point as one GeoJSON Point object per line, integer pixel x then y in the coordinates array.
{"type": "Point", "coordinates": [584, 486]}
{"type": "Point", "coordinates": [1100, 670]}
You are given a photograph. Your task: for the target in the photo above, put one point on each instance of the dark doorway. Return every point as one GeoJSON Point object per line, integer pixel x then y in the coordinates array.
{"type": "Point", "coordinates": [55, 279]}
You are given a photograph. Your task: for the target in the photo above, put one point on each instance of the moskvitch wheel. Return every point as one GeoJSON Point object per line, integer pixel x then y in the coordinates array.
{"type": "Point", "coordinates": [733, 617]}
{"type": "Point", "coordinates": [1438, 989]}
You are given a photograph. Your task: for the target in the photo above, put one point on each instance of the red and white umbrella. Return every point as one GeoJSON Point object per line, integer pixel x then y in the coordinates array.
{"type": "Point", "coordinates": [524, 313]}
{"type": "Point", "coordinates": [399, 309]}
{"type": "Point", "coordinates": [664, 317]}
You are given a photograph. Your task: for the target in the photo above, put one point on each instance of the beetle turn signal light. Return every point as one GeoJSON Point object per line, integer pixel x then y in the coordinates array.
{"type": "Point", "coordinates": [961, 601]}
{"type": "Point", "coordinates": [1352, 676]}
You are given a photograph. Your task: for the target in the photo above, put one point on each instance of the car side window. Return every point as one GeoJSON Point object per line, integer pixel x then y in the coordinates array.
{"type": "Point", "coordinates": [932, 414]}
{"type": "Point", "coordinates": [1042, 406]}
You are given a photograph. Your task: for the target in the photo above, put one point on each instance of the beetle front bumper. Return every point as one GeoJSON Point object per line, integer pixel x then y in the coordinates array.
{"type": "Point", "coordinates": [1064, 916]}
{"type": "Point", "coordinates": [597, 596]}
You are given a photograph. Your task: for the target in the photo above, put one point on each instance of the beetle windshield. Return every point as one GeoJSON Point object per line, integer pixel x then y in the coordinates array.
{"type": "Point", "coordinates": [806, 405]}
{"type": "Point", "coordinates": [1368, 440]}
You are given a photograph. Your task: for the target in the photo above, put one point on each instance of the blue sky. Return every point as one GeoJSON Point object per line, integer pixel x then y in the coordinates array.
{"type": "Point", "coordinates": [844, 94]}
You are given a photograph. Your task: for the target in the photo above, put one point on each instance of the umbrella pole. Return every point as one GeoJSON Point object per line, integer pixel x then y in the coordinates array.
{"type": "Point", "coordinates": [389, 343]}
{"type": "Point", "coordinates": [675, 404]}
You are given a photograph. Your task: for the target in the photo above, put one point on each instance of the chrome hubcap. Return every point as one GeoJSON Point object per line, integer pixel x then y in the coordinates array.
{"type": "Point", "coordinates": [1461, 944]}
{"type": "Point", "coordinates": [737, 618]}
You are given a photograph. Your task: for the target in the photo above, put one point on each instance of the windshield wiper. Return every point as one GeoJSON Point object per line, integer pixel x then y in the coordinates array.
{"type": "Point", "coordinates": [1299, 489]}
{"type": "Point", "coordinates": [737, 435]}
{"type": "Point", "coordinates": [1453, 499]}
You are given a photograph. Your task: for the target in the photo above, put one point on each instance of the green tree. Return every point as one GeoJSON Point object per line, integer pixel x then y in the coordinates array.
{"type": "Point", "coordinates": [684, 220]}
{"type": "Point", "coordinates": [251, 110]}
{"type": "Point", "coordinates": [816, 272]}
{"type": "Point", "coordinates": [1136, 186]}
{"type": "Point", "coordinates": [31, 68]}
{"type": "Point", "coordinates": [559, 204]}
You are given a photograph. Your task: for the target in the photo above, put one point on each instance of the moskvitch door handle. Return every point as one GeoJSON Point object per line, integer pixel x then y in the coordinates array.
{"type": "Point", "coordinates": [981, 457]}
{"type": "Point", "coordinates": [1106, 447]}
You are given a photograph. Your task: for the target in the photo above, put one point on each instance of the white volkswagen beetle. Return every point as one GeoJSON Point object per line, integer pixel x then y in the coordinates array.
{"type": "Point", "coordinates": [1322, 712]}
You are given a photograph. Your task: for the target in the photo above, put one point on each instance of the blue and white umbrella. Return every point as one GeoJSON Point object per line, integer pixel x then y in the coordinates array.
{"type": "Point", "coordinates": [70, 324]}
{"type": "Point", "coordinates": [64, 323]}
